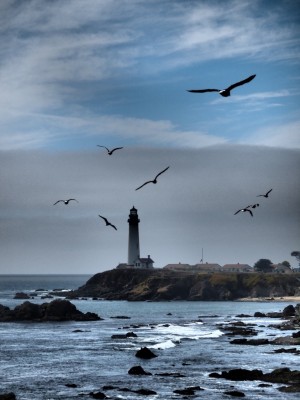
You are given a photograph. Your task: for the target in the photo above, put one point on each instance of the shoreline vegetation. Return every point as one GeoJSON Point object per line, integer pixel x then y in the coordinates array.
{"type": "Point", "coordinates": [166, 285]}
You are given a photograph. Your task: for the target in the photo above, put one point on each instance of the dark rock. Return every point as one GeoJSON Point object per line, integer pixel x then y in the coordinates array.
{"type": "Point", "coordinates": [120, 317]}
{"type": "Point", "coordinates": [250, 342]}
{"type": "Point", "coordinates": [288, 311]}
{"type": "Point", "coordinates": [8, 396]}
{"type": "Point", "coordinates": [239, 374]}
{"type": "Point", "coordinates": [274, 315]}
{"type": "Point", "coordinates": [188, 391]}
{"type": "Point", "coordinates": [291, 350]}
{"type": "Point", "coordinates": [138, 370]}
{"type": "Point", "coordinates": [259, 315]}
{"type": "Point", "coordinates": [131, 334]}
{"type": "Point", "coordinates": [283, 375]}
{"type": "Point", "coordinates": [145, 392]}
{"type": "Point", "coordinates": [235, 393]}
{"type": "Point", "coordinates": [145, 353]}
{"type": "Point", "coordinates": [290, 389]}
{"type": "Point", "coordinates": [21, 296]}
{"type": "Point", "coordinates": [57, 310]}
{"type": "Point", "coordinates": [296, 335]}
{"type": "Point", "coordinates": [71, 385]}
{"type": "Point", "coordinates": [243, 316]}
{"type": "Point", "coordinates": [98, 395]}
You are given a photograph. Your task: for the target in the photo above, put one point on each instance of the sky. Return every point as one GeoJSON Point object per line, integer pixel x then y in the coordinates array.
{"type": "Point", "coordinates": [76, 74]}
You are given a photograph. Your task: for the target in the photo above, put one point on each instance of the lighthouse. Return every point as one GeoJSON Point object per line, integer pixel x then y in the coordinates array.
{"type": "Point", "coordinates": [134, 259]}
{"type": "Point", "coordinates": [133, 238]}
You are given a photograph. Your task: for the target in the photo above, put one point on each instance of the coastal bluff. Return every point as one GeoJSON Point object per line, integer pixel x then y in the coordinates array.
{"type": "Point", "coordinates": [161, 285]}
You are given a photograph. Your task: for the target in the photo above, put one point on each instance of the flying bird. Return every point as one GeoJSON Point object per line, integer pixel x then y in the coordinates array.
{"type": "Point", "coordinates": [65, 201]}
{"type": "Point", "coordinates": [265, 195]}
{"type": "Point", "coordinates": [244, 210]}
{"type": "Point", "coordinates": [154, 180]}
{"type": "Point", "coordinates": [224, 92]}
{"type": "Point", "coordinates": [109, 152]}
{"type": "Point", "coordinates": [107, 223]}
{"type": "Point", "coordinates": [253, 205]}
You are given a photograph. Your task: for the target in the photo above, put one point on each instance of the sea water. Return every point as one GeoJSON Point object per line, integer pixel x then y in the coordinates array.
{"type": "Point", "coordinates": [38, 360]}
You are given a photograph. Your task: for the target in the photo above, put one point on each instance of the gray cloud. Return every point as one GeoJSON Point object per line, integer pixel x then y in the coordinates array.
{"type": "Point", "coordinates": [191, 207]}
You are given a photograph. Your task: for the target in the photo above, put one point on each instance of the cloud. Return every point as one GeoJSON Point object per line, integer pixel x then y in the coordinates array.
{"type": "Point", "coordinates": [285, 136]}
{"type": "Point", "coordinates": [191, 207]}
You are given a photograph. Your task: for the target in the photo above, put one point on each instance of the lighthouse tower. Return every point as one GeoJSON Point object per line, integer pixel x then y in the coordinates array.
{"type": "Point", "coordinates": [133, 239]}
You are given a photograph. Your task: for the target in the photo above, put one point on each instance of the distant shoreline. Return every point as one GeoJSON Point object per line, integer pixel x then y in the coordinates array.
{"type": "Point", "coordinates": [270, 299]}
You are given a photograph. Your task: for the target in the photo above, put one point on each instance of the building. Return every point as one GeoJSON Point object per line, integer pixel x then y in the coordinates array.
{"type": "Point", "coordinates": [237, 268]}
{"type": "Point", "coordinates": [134, 259]}
{"type": "Point", "coordinates": [281, 269]}
{"type": "Point", "coordinates": [208, 267]}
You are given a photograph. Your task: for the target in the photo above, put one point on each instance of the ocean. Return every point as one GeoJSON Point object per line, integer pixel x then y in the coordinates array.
{"type": "Point", "coordinates": [68, 360]}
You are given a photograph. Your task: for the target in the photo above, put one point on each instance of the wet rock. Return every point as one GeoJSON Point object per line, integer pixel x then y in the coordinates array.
{"type": "Point", "coordinates": [296, 335]}
{"type": "Point", "coordinates": [8, 396]}
{"type": "Point", "coordinates": [173, 374]}
{"type": "Point", "coordinates": [243, 316]}
{"type": "Point", "coordinates": [235, 393]}
{"type": "Point", "coordinates": [188, 391]}
{"type": "Point", "coordinates": [98, 395]}
{"type": "Point", "coordinates": [239, 374]}
{"type": "Point", "coordinates": [259, 315]}
{"type": "Point", "coordinates": [145, 392]}
{"type": "Point", "coordinates": [288, 311]}
{"type": "Point", "coordinates": [283, 375]}
{"type": "Point", "coordinates": [120, 317]}
{"type": "Point", "coordinates": [291, 350]}
{"type": "Point", "coordinates": [71, 385]}
{"type": "Point", "coordinates": [21, 296]}
{"type": "Point", "coordinates": [290, 389]}
{"type": "Point", "coordinates": [250, 342]}
{"type": "Point", "coordinates": [145, 353]}
{"type": "Point", "coordinates": [138, 370]}
{"type": "Point", "coordinates": [57, 310]}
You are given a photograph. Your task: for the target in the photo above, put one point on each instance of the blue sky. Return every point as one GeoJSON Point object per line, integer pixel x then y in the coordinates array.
{"type": "Point", "coordinates": [74, 74]}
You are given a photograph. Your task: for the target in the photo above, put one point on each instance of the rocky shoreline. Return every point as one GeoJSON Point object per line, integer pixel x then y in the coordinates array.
{"type": "Point", "coordinates": [289, 380]}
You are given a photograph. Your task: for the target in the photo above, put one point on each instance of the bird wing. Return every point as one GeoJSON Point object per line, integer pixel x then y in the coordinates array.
{"type": "Point", "coordinates": [246, 209]}
{"type": "Point", "coordinates": [103, 147]}
{"type": "Point", "coordinates": [269, 192]}
{"type": "Point", "coordinates": [241, 82]}
{"type": "Point", "coordinates": [116, 148]}
{"type": "Point", "coordinates": [143, 185]}
{"type": "Point", "coordinates": [73, 199]}
{"type": "Point", "coordinates": [237, 212]}
{"type": "Point", "coordinates": [104, 219]}
{"type": "Point", "coordinates": [161, 172]}
{"type": "Point", "coordinates": [57, 202]}
{"type": "Point", "coordinates": [203, 90]}
{"type": "Point", "coordinates": [112, 226]}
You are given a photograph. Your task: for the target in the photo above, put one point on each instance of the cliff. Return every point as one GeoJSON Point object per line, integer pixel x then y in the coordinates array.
{"type": "Point", "coordinates": [159, 285]}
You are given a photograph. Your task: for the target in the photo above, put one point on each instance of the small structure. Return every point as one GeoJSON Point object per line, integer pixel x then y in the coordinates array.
{"type": "Point", "coordinates": [281, 269]}
{"type": "Point", "coordinates": [237, 268]}
{"type": "Point", "coordinates": [208, 267]}
{"type": "Point", "coordinates": [178, 267]}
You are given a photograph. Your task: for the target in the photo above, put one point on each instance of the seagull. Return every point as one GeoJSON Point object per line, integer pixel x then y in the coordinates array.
{"type": "Point", "coordinates": [225, 92]}
{"type": "Point", "coordinates": [244, 210]}
{"type": "Point", "coordinates": [107, 223]}
{"type": "Point", "coordinates": [65, 201]}
{"type": "Point", "coordinates": [154, 180]}
{"type": "Point", "coordinates": [109, 152]}
{"type": "Point", "coordinates": [265, 195]}
{"type": "Point", "coordinates": [253, 205]}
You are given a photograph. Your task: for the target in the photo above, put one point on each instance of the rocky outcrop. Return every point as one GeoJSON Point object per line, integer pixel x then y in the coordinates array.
{"type": "Point", "coordinates": [160, 284]}
{"type": "Point", "coordinates": [56, 310]}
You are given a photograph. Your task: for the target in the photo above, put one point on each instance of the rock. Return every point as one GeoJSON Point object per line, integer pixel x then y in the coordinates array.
{"type": "Point", "coordinates": [8, 396]}
{"type": "Point", "coordinates": [21, 296]}
{"type": "Point", "coordinates": [120, 317]}
{"type": "Point", "coordinates": [288, 311]}
{"type": "Point", "coordinates": [283, 375]}
{"type": "Point", "coordinates": [235, 393]}
{"type": "Point", "coordinates": [98, 395]}
{"type": "Point", "coordinates": [57, 310]}
{"type": "Point", "coordinates": [138, 370]}
{"type": "Point", "coordinates": [239, 374]}
{"type": "Point", "coordinates": [174, 374]}
{"type": "Point", "coordinates": [296, 335]}
{"type": "Point", "coordinates": [145, 353]}
{"type": "Point", "coordinates": [188, 391]}
{"type": "Point", "coordinates": [250, 342]}
{"type": "Point", "coordinates": [259, 315]}
{"type": "Point", "coordinates": [290, 389]}
{"type": "Point", "coordinates": [145, 392]}
{"type": "Point", "coordinates": [291, 350]}
{"type": "Point", "coordinates": [71, 385]}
